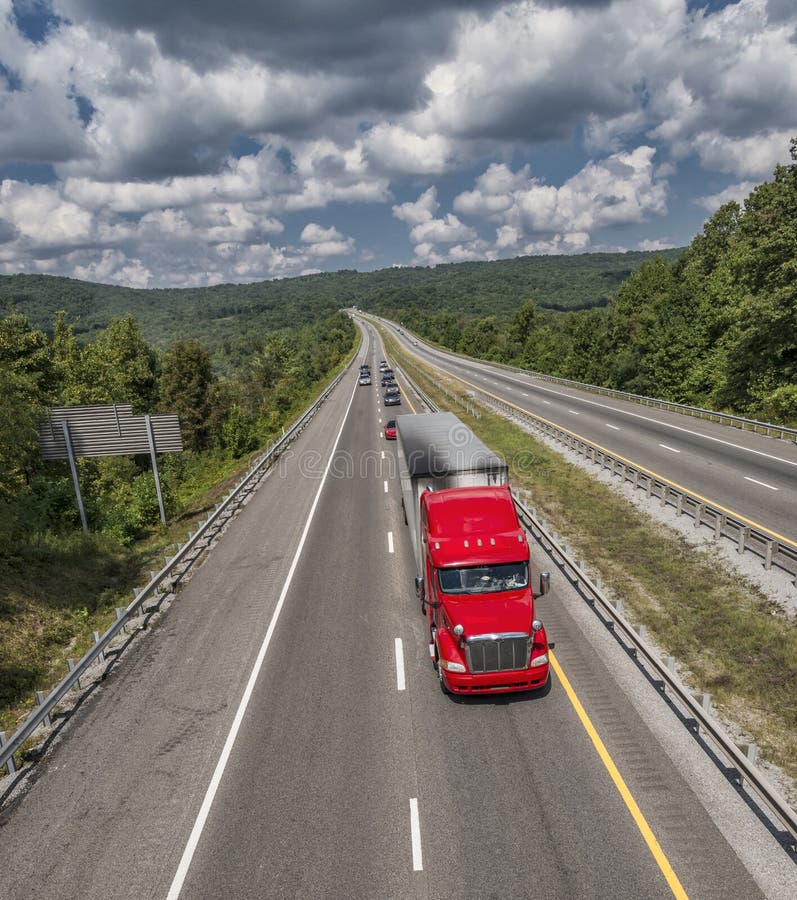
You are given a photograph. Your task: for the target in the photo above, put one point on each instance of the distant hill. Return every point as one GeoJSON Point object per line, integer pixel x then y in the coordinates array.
{"type": "Point", "coordinates": [228, 313]}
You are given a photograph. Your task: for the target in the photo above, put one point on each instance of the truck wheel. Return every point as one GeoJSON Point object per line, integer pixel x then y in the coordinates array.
{"type": "Point", "coordinates": [404, 511]}
{"type": "Point", "coordinates": [440, 675]}
{"type": "Point", "coordinates": [423, 607]}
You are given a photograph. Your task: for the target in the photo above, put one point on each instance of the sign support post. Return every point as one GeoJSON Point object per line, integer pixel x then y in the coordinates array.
{"type": "Point", "coordinates": [73, 467]}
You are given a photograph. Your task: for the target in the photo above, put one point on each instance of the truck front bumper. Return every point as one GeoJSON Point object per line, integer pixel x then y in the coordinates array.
{"type": "Point", "coordinates": [497, 682]}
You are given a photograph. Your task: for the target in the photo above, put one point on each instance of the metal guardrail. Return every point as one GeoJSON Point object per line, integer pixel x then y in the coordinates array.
{"type": "Point", "coordinates": [697, 708]}
{"type": "Point", "coordinates": [722, 418]}
{"type": "Point", "coordinates": [167, 577]}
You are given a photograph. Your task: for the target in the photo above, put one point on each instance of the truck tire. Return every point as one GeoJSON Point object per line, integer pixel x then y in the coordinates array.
{"type": "Point", "coordinates": [442, 678]}
{"type": "Point", "coordinates": [404, 511]}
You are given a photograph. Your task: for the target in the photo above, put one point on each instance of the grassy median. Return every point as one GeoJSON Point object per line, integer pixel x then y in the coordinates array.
{"type": "Point", "coordinates": [735, 642]}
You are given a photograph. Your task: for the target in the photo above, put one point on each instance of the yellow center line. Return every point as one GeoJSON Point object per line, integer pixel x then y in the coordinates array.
{"type": "Point", "coordinates": [622, 788]}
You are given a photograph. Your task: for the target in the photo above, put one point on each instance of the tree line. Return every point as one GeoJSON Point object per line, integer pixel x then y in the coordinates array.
{"type": "Point", "coordinates": [716, 327]}
{"type": "Point", "coordinates": [220, 418]}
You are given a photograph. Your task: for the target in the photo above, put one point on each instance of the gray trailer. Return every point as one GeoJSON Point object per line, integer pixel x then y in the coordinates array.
{"type": "Point", "coordinates": [437, 451]}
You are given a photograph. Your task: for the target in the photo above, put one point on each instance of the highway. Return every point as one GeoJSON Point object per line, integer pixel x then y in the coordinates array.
{"type": "Point", "coordinates": [281, 733]}
{"type": "Point", "coordinates": [749, 474]}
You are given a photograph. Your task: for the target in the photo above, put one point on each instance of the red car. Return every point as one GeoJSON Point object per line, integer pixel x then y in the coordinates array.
{"type": "Point", "coordinates": [390, 430]}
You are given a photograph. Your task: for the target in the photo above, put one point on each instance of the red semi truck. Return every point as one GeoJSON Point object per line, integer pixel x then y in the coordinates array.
{"type": "Point", "coordinates": [472, 558]}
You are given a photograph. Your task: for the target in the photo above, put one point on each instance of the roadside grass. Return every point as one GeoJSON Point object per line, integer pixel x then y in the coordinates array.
{"type": "Point", "coordinates": [57, 589]}
{"type": "Point", "coordinates": [730, 640]}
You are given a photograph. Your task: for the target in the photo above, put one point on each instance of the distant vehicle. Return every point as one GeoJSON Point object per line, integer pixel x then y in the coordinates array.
{"type": "Point", "coordinates": [392, 389]}
{"type": "Point", "coordinates": [365, 379]}
{"type": "Point", "coordinates": [365, 368]}
{"type": "Point", "coordinates": [390, 430]}
{"type": "Point", "coordinates": [388, 377]}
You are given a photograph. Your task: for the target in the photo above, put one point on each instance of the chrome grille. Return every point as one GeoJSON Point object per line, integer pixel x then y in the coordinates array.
{"type": "Point", "coordinates": [498, 652]}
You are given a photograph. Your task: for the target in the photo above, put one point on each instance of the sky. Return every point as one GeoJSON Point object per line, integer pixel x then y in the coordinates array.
{"type": "Point", "coordinates": [181, 143]}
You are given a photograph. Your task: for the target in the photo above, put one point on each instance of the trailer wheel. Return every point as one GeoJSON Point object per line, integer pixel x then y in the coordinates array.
{"type": "Point", "coordinates": [404, 511]}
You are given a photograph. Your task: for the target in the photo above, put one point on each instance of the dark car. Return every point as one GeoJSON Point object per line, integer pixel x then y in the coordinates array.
{"type": "Point", "coordinates": [390, 430]}
{"type": "Point", "coordinates": [392, 399]}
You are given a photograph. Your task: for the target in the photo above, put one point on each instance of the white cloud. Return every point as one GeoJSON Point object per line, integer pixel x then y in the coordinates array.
{"type": "Point", "coordinates": [419, 212]}
{"type": "Point", "coordinates": [325, 241]}
{"type": "Point", "coordinates": [738, 192]}
{"type": "Point", "coordinates": [442, 231]}
{"type": "Point", "coordinates": [134, 109]}
{"type": "Point", "coordinates": [399, 151]}
{"type": "Point", "coordinates": [619, 190]}
{"type": "Point", "coordinates": [657, 244]}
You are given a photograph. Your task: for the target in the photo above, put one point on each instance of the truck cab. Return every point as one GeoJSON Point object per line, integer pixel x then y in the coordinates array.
{"type": "Point", "coordinates": [477, 595]}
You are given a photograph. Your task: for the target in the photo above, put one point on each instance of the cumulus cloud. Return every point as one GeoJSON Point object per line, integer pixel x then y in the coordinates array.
{"type": "Point", "coordinates": [325, 241]}
{"type": "Point", "coordinates": [738, 192]}
{"type": "Point", "coordinates": [175, 140]}
{"type": "Point", "coordinates": [619, 190]}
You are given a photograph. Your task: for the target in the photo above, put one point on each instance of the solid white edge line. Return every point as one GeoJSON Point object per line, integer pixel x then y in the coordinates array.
{"type": "Point", "coordinates": [199, 824]}
{"type": "Point", "coordinates": [415, 831]}
{"type": "Point", "coordinates": [400, 680]}
{"type": "Point", "coordinates": [390, 542]}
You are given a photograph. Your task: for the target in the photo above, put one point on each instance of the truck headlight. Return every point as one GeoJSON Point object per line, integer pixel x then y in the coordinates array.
{"type": "Point", "coordinates": [541, 660]}
{"type": "Point", "coordinates": [452, 666]}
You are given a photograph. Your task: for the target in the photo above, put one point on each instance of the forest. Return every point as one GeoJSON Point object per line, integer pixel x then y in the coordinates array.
{"type": "Point", "coordinates": [221, 317]}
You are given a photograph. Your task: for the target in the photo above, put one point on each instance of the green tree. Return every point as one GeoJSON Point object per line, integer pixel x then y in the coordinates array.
{"type": "Point", "coordinates": [27, 385]}
{"type": "Point", "coordinates": [119, 367]}
{"type": "Point", "coordinates": [185, 384]}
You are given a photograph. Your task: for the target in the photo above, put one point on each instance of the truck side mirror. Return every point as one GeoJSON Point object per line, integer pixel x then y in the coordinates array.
{"type": "Point", "coordinates": [419, 591]}
{"type": "Point", "coordinates": [545, 582]}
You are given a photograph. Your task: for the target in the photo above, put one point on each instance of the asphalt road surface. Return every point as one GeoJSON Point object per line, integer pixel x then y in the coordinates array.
{"type": "Point", "coordinates": [282, 734]}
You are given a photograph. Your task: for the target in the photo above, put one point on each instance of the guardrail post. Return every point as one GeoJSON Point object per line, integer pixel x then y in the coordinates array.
{"type": "Point", "coordinates": [70, 664]}
{"type": "Point", "coordinates": [665, 493]}
{"type": "Point", "coordinates": [719, 521]}
{"type": "Point", "coordinates": [744, 535]}
{"type": "Point", "coordinates": [705, 704]}
{"type": "Point", "coordinates": [649, 488]}
{"type": "Point", "coordinates": [101, 654]}
{"type": "Point", "coordinates": [698, 514]}
{"type": "Point", "coordinates": [40, 698]}
{"type": "Point", "coordinates": [768, 557]}
{"type": "Point", "coordinates": [119, 616]}
{"type": "Point", "coordinates": [751, 753]}
{"type": "Point", "coordinates": [10, 764]}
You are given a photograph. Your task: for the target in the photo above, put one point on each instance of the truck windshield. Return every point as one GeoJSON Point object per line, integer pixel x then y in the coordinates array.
{"type": "Point", "coordinates": [484, 579]}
